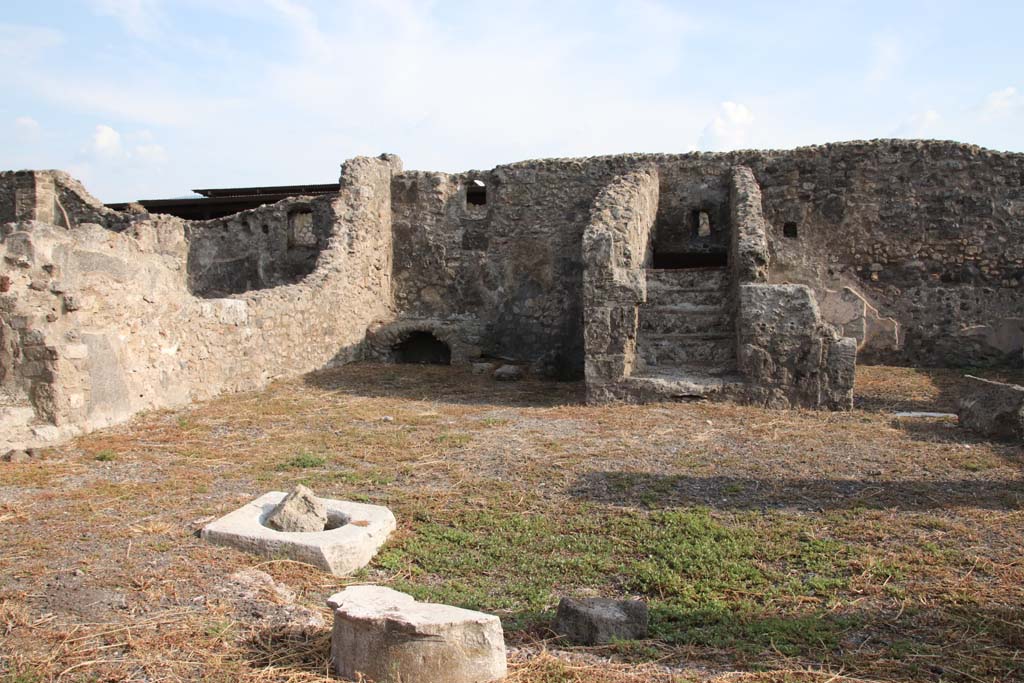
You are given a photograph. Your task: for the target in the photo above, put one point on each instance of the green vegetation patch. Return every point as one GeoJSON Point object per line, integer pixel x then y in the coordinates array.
{"type": "Point", "coordinates": [707, 583]}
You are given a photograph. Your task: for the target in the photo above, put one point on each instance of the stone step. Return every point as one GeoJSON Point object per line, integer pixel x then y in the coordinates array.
{"type": "Point", "coordinates": [689, 278]}
{"type": "Point", "coordinates": [685, 383]}
{"type": "Point", "coordinates": [685, 319]}
{"type": "Point", "coordinates": [671, 350]}
{"type": "Point", "coordinates": [663, 295]}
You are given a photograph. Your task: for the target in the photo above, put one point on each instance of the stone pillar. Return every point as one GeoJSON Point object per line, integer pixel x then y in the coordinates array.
{"type": "Point", "coordinates": [34, 197]}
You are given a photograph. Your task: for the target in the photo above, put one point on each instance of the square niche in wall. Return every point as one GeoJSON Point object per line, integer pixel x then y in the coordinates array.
{"type": "Point", "coordinates": [476, 193]}
{"type": "Point", "coordinates": [300, 229]}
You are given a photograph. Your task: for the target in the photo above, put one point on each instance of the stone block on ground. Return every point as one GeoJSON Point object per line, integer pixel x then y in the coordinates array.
{"type": "Point", "coordinates": [300, 510]}
{"type": "Point", "coordinates": [508, 373]}
{"type": "Point", "coordinates": [388, 637]}
{"type": "Point", "coordinates": [993, 409]}
{"type": "Point", "coordinates": [354, 533]}
{"type": "Point", "coordinates": [596, 621]}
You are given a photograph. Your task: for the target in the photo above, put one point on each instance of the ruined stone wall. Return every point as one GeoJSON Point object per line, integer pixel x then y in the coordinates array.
{"type": "Point", "coordinates": [265, 247]}
{"type": "Point", "coordinates": [513, 267]}
{"type": "Point", "coordinates": [52, 197]}
{"type": "Point", "coordinates": [750, 254]}
{"type": "Point", "coordinates": [931, 234]}
{"type": "Point", "coordinates": [616, 250]}
{"type": "Point", "coordinates": [787, 353]}
{"type": "Point", "coordinates": [106, 325]}
{"type": "Point", "coordinates": [915, 248]}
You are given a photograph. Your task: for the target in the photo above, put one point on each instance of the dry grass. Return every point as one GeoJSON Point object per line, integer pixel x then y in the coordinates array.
{"type": "Point", "coordinates": [773, 546]}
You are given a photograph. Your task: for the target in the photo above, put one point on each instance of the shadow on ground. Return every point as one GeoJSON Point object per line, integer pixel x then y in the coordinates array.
{"type": "Point", "coordinates": [443, 384]}
{"type": "Point", "coordinates": [739, 493]}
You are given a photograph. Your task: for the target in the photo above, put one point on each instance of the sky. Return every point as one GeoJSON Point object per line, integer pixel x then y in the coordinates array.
{"type": "Point", "coordinates": [151, 98]}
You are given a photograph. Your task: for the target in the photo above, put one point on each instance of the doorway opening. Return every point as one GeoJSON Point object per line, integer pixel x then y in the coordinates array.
{"type": "Point", "coordinates": [422, 348]}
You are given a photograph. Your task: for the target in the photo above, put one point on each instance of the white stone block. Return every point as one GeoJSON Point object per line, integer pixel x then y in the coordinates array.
{"type": "Point", "coordinates": [388, 637]}
{"type": "Point", "coordinates": [356, 531]}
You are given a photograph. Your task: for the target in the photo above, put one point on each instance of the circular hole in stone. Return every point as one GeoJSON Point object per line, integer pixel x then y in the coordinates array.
{"type": "Point", "coordinates": [335, 520]}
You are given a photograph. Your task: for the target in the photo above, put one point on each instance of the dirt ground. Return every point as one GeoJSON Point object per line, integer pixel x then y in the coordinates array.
{"type": "Point", "coordinates": [770, 545]}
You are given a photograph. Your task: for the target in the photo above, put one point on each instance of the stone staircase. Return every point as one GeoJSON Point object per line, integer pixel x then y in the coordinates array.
{"type": "Point", "coordinates": [686, 343]}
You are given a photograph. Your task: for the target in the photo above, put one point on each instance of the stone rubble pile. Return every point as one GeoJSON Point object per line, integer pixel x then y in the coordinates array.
{"type": "Point", "coordinates": [300, 510]}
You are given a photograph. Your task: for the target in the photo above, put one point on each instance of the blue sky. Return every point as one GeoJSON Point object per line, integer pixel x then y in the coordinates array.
{"type": "Point", "coordinates": [149, 98]}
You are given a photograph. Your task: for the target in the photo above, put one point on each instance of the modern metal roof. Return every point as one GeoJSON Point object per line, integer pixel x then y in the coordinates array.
{"type": "Point", "coordinates": [286, 190]}
{"type": "Point", "coordinates": [219, 202]}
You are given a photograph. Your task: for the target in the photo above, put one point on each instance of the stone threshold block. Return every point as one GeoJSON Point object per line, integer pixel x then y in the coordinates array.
{"type": "Point", "coordinates": [388, 637]}
{"type": "Point", "coordinates": [353, 534]}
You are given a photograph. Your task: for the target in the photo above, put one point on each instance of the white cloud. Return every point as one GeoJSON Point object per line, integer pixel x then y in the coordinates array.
{"type": "Point", "coordinates": [920, 125]}
{"type": "Point", "coordinates": [887, 56]}
{"type": "Point", "coordinates": [140, 18]}
{"type": "Point", "coordinates": [728, 129]}
{"type": "Point", "coordinates": [106, 143]}
{"type": "Point", "coordinates": [28, 128]}
{"type": "Point", "coordinates": [512, 88]}
{"type": "Point", "coordinates": [1001, 103]}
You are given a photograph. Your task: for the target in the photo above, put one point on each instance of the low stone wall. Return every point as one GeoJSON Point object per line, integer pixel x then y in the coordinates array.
{"type": "Point", "coordinates": [786, 352]}
{"type": "Point", "coordinates": [788, 355]}
{"type": "Point", "coordinates": [616, 247]}
{"type": "Point", "coordinates": [750, 257]}
{"type": "Point", "coordinates": [99, 324]}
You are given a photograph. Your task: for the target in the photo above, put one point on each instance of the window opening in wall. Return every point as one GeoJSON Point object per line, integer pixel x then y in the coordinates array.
{"type": "Point", "coordinates": [422, 348]}
{"type": "Point", "coordinates": [789, 230]}
{"type": "Point", "coordinates": [476, 193]}
{"type": "Point", "coordinates": [300, 229]}
{"type": "Point", "coordinates": [703, 224]}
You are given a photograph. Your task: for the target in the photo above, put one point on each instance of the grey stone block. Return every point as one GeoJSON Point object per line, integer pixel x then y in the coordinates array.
{"type": "Point", "coordinates": [596, 621]}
